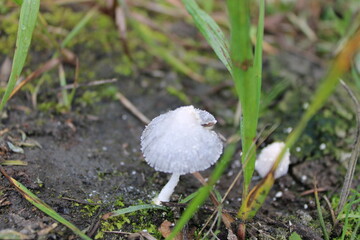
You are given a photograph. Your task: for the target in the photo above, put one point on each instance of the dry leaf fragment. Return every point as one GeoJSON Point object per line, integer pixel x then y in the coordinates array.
{"type": "Point", "coordinates": [165, 230]}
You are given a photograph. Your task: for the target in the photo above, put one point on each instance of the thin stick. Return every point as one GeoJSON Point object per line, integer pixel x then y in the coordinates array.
{"type": "Point", "coordinates": [128, 105]}
{"type": "Point", "coordinates": [333, 218]}
{"type": "Point", "coordinates": [354, 154]}
{"type": "Point", "coordinates": [90, 84]}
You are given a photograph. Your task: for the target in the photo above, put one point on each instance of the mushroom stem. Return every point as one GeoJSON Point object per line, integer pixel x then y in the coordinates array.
{"type": "Point", "coordinates": [168, 189]}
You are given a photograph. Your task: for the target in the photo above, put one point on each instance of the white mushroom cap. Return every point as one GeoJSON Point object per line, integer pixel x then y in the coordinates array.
{"type": "Point", "coordinates": [267, 158]}
{"type": "Point", "coordinates": [180, 141]}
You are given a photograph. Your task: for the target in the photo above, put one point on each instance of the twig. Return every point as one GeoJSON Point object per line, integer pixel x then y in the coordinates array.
{"type": "Point", "coordinates": [354, 154]}
{"type": "Point", "coordinates": [307, 192]}
{"type": "Point", "coordinates": [90, 84]}
{"type": "Point", "coordinates": [128, 105]}
{"type": "Point", "coordinates": [43, 68]}
{"type": "Point", "coordinates": [333, 218]}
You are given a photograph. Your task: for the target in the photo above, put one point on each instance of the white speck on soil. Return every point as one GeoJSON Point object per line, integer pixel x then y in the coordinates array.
{"type": "Point", "coordinates": [104, 148]}
{"type": "Point", "coordinates": [306, 206]}
{"type": "Point", "coordinates": [322, 146]}
{"type": "Point", "coordinates": [124, 117]}
{"type": "Point", "coordinates": [303, 178]}
{"type": "Point", "coordinates": [288, 130]}
{"type": "Point", "coordinates": [133, 172]}
{"type": "Point", "coordinates": [305, 105]}
{"type": "Point", "coordinates": [279, 194]}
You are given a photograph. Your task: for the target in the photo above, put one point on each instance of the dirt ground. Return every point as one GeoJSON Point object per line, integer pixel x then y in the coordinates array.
{"type": "Point", "coordinates": [96, 155]}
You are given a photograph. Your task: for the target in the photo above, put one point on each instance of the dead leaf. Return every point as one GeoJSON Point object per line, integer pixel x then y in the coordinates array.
{"type": "Point", "coordinates": [165, 230]}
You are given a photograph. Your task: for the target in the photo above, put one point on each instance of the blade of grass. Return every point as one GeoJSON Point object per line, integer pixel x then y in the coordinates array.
{"type": "Point", "coordinates": [258, 52]}
{"type": "Point", "coordinates": [28, 14]}
{"type": "Point", "coordinates": [131, 209]}
{"type": "Point", "coordinates": [354, 234]}
{"type": "Point", "coordinates": [211, 31]}
{"type": "Point", "coordinates": [318, 208]}
{"type": "Point", "coordinates": [75, 31]}
{"type": "Point", "coordinates": [149, 37]}
{"type": "Point", "coordinates": [13, 163]}
{"type": "Point", "coordinates": [246, 78]}
{"type": "Point", "coordinates": [43, 68]}
{"type": "Point", "coordinates": [204, 192]}
{"type": "Point", "coordinates": [340, 65]}
{"type": "Point", "coordinates": [37, 202]}
{"type": "Point", "coordinates": [348, 208]}
{"type": "Point", "coordinates": [18, 2]}
{"type": "Point", "coordinates": [64, 93]}
{"type": "Point", "coordinates": [345, 190]}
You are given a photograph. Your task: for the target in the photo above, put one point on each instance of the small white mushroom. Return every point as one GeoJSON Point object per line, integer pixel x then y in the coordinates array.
{"type": "Point", "coordinates": [180, 142]}
{"type": "Point", "coordinates": [267, 157]}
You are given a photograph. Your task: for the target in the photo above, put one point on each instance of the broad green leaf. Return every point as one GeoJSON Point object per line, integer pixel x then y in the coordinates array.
{"type": "Point", "coordinates": [211, 31]}
{"type": "Point", "coordinates": [28, 14]}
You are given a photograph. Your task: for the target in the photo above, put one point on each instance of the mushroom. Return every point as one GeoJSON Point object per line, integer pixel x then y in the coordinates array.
{"type": "Point", "coordinates": [180, 142]}
{"type": "Point", "coordinates": [267, 157]}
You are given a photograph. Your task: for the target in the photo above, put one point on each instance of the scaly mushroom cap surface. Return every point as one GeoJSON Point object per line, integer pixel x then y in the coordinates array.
{"type": "Point", "coordinates": [181, 141]}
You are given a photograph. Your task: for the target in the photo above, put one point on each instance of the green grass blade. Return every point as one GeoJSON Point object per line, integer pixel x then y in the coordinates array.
{"type": "Point", "coordinates": [211, 31]}
{"type": "Point", "coordinates": [347, 213]}
{"type": "Point", "coordinates": [154, 49]}
{"type": "Point", "coordinates": [132, 209]}
{"type": "Point", "coordinates": [246, 84]}
{"type": "Point", "coordinates": [203, 192]}
{"type": "Point", "coordinates": [37, 202]}
{"type": "Point", "coordinates": [13, 163]}
{"type": "Point", "coordinates": [18, 2]}
{"type": "Point", "coordinates": [258, 51]}
{"type": "Point", "coordinates": [319, 211]}
{"type": "Point", "coordinates": [340, 66]}
{"type": "Point", "coordinates": [28, 14]}
{"type": "Point", "coordinates": [356, 229]}
{"type": "Point", "coordinates": [75, 31]}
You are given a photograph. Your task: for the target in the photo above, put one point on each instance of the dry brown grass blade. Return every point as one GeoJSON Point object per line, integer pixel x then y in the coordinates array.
{"type": "Point", "coordinates": [354, 154]}
{"type": "Point", "coordinates": [128, 105]}
{"type": "Point", "coordinates": [226, 218]}
{"type": "Point", "coordinates": [120, 21]}
{"type": "Point", "coordinates": [44, 68]}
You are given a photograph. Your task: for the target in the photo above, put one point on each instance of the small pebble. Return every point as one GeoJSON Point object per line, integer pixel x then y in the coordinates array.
{"type": "Point", "coordinates": [278, 194]}
{"type": "Point", "coordinates": [306, 206]}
